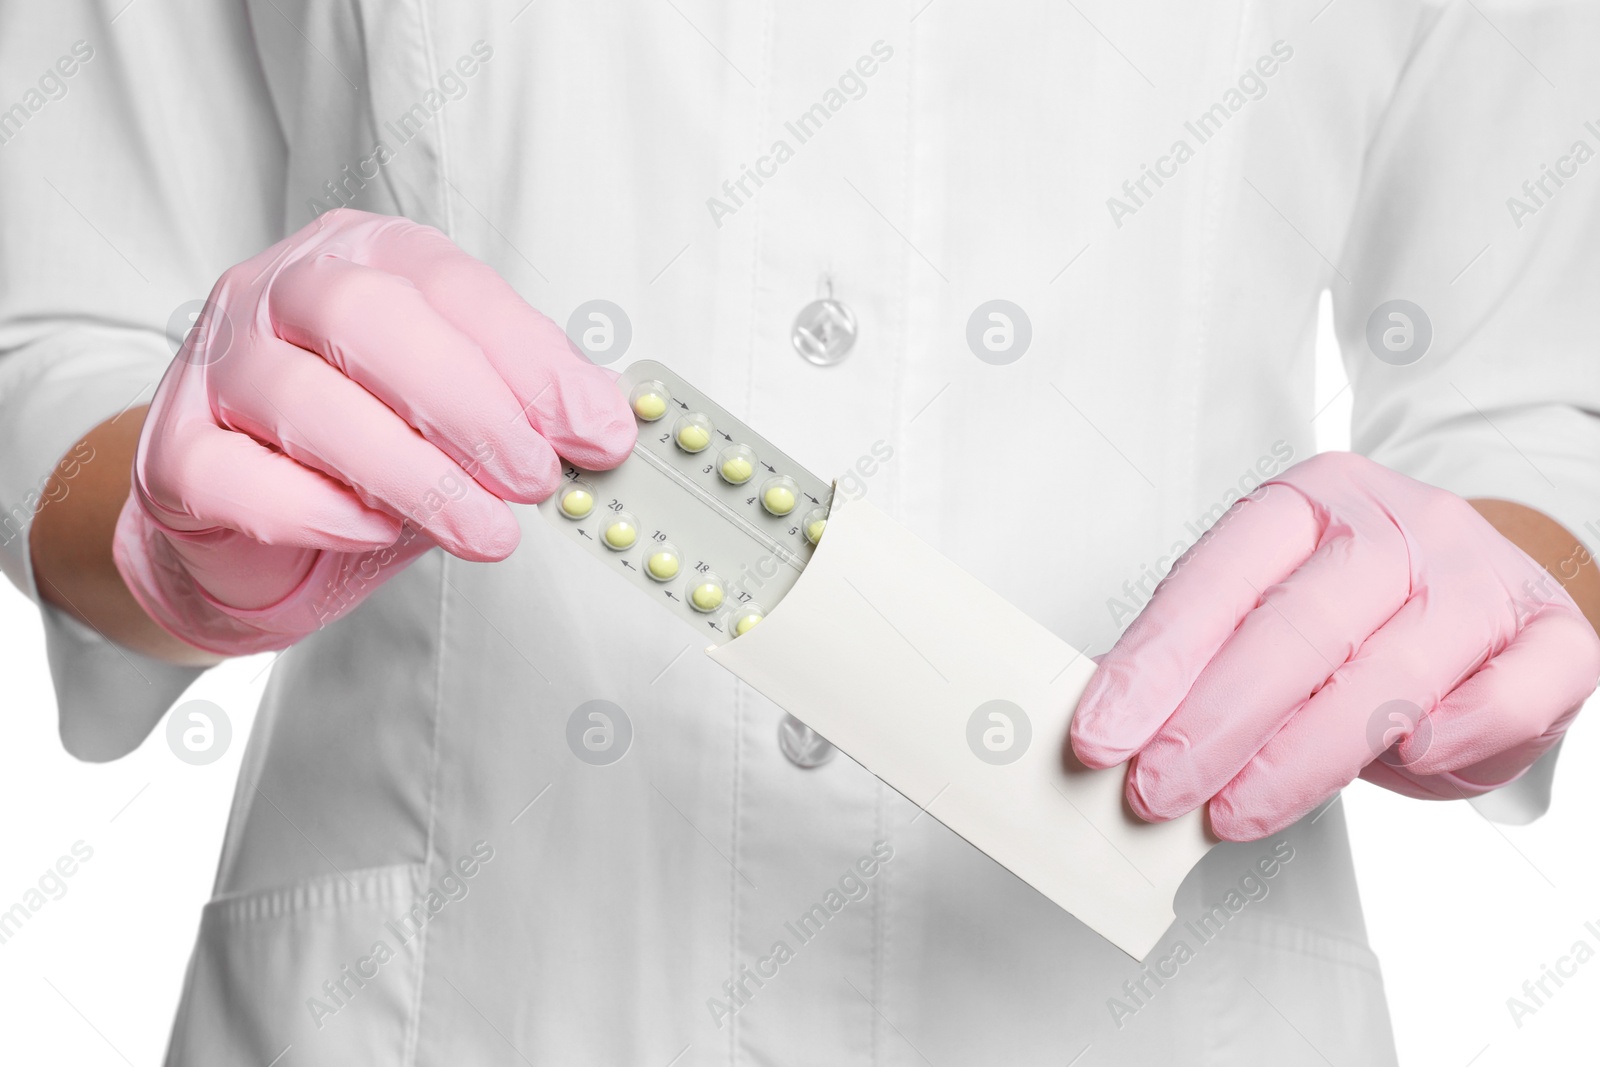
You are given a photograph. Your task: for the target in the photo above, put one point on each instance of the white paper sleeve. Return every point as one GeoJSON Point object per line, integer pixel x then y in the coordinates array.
{"type": "Point", "coordinates": [891, 651]}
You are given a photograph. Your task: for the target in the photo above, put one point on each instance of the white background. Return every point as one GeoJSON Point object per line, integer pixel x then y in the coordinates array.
{"type": "Point", "coordinates": [1460, 911]}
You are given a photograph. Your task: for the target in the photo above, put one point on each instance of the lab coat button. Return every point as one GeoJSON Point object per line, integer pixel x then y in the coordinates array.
{"type": "Point", "coordinates": [802, 745]}
{"type": "Point", "coordinates": [824, 332]}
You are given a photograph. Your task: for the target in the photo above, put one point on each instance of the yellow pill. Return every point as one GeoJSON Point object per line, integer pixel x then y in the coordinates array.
{"type": "Point", "coordinates": [706, 596]}
{"type": "Point", "coordinates": [744, 624]}
{"type": "Point", "coordinates": [737, 469]}
{"type": "Point", "coordinates": [693, 437]}
{"type": "Point", "coordinates": [621, 534]}
{"type": "Point", "coordinates": [778, 499]}
{"type": "Point", "coordinates": [663, 566]}
{"type": "Point", "coordinates": [650, 406]}
{"type": "Point", "coordinates": [576, 503]}
{"type": "Point", "coordinates": [814, 530]}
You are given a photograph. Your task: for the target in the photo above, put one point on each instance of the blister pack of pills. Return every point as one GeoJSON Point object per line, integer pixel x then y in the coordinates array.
{"type": "Point", "coordinates": [886, 648]}
{"type": "Point", "coordinates": [706, 515]}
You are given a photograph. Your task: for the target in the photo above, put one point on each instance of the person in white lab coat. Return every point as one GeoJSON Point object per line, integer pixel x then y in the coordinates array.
{"type": "Point", "coordinates": [418, 868]}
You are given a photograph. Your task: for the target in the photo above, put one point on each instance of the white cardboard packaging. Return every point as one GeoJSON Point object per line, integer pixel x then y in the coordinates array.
{"type": "Point", "coordinates": [888, 650]}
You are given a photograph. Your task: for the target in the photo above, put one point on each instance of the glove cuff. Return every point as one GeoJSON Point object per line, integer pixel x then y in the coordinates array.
{"type": "Point", "coordinates": [158, 580]}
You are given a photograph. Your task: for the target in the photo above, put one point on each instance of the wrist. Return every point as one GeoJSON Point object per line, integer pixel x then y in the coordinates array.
{"type": "Point", "coordinates": [1550, 545]}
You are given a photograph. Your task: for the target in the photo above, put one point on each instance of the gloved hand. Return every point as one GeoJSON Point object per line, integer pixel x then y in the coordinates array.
{"type": "Point", "coordinates": [352, 396]}
{"type": "Point", "coordinates": [1266, 672]}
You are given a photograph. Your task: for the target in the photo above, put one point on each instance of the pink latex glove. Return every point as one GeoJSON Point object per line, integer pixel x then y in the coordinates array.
{"type": "Point", "coordinates": [1261, 675]}
{"type": "Point", "coordinates": [362, 372]}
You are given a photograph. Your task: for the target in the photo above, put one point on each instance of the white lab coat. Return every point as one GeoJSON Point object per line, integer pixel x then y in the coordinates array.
{"type": "Point", "coordinates": [1170, 369]}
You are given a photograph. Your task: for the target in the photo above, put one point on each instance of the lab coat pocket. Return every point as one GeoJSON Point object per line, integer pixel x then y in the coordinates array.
{"type": "Point", "coordinates": [1314, 997]}
{"type": "Point", "coordinates": [327, 967]}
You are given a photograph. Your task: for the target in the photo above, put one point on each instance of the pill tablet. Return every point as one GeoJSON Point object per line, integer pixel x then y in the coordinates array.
{"type": "Point", "coordinates": [731, 501]}
{"type": "Point", "coordinates": [736, 464]}
{"type": "Point", "coordinates": [650, 400]}
{"type": "Point", "coordinates": [705, 593]}
{"type": "Point", "coordinates": [815, 522]}
{"type": "Point", "coordinates": [779, 495]}
{"type": "Point", "coordinates": [650, 407]}
{"type": "Point", "coordinates": [577, 501]}
{"type": "Point", "coordinates": [693, 432]}
{"type": "Point", "coordinates": [662, 563]}
{"type": "Point", "coordinates": [619, 532]}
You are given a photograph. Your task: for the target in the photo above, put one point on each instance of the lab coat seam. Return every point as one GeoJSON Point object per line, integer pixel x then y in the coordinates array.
{"type": "Point", "coordinates": [446, 208]}
{"type": "Point", "coordinates": [323, 893]}
{"type": "Point", "coordinates": [1320, 944]}
{"type": "Point", "coordinates": [442, 154]}
{"type": "Point", "coordinates": [881, 920]}
{"type": "Point", "coordinates": [756, 232]}
{"type": "Point", "coordinates": [1231, 152]}
{"type": "Point", "coordinates": [414, 1036]}
{"type": "Point", "coordinates": [1213, 199]}
{"type": "Point", "coordinates": [762, 115]}
{"type": "Point", "coordinates": [1190, 461]}
{"type": "Point", "coordinates": [901, 295]}
{"type": "Point", "coordinates": [903, 290]}
{"type": "Point", "coordinates": [882, 912]}
{"type": "Point", "coordinates": [733, 872]}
